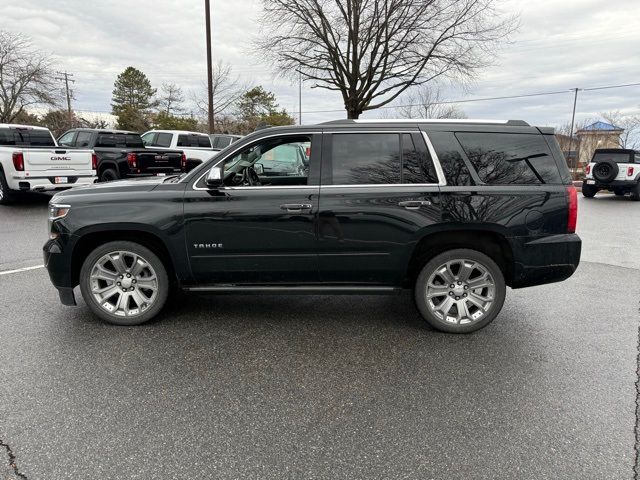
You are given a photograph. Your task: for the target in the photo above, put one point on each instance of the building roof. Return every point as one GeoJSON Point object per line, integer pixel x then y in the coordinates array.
{"type": "Point", "coordinates": [601, 127]}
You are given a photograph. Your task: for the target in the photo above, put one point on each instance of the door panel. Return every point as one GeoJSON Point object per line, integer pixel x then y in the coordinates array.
{"type": "Point", "coordinates": [246, 235]}
{"type": "Point", "coordinates": [364, 233]}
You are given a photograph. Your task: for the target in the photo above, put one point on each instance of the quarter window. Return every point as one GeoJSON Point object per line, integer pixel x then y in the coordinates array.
{"type": "Point", "coordinates": [510, 158]}
{"type": "Point", "coordinates": [163, 140]}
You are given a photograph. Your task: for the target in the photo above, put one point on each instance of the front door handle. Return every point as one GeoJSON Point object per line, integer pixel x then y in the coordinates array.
{"type": "Point", "coordinates": [414, 204]}
{"type": "Point", "coordinates": [296, 207]}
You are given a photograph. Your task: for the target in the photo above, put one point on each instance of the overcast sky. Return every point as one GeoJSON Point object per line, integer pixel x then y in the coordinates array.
{"type": "Point", "coordinates": [561, 44]}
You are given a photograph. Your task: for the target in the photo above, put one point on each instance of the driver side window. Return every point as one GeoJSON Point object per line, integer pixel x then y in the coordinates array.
{"type": "Point", "coordinates": [274, 161]}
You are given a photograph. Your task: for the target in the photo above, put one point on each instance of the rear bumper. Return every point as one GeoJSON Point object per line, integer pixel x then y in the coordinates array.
{"type": "Point", "coordinates": [613, 184]}
{"type": "Point", "coordinates": [42, 183]}
{"type": "Point", "coordinates": [545, 260]}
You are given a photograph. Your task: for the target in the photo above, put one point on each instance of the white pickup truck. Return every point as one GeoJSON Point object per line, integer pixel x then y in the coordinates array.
{"type": "Point", "coordinates": [31, 161]}
{"type": "Point", "coordinates": [196, 146]}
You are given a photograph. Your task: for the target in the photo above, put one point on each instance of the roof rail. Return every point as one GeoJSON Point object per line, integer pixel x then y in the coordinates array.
{"type": "Point", "coordinates": [520, 123]}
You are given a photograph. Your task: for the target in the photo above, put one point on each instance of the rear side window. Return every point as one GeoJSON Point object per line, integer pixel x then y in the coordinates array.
{"type": "Point", "coordinates": [184, 141]}
{"type": "Point", "coordinates": [510, 158]}
{"type": "Point", "coordinates": [417, 165]}
{"type": "Point", "coordinates": [365, 158]}
{"type": "Point", "coordinates": [204, 141]}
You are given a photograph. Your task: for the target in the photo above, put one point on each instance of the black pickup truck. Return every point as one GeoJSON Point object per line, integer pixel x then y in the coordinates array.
{"type": "Point", "coordinates": [122, 154]}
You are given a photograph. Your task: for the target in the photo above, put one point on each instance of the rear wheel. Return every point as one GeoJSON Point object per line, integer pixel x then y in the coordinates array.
{"type": "Point", "coordinates": [109, 175]}
{"type": "Point", "coordinates": [6, 194]}
{"type": "Point", "coordinates": [589, 191]}
{"type": "Point", "coordinates": [124, 283]}
{"type": "Point", "coordinates": [460, 291]}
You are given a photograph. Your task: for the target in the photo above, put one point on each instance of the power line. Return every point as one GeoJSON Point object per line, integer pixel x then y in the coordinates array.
{"type": "Point", "coordinates": [65, 78]}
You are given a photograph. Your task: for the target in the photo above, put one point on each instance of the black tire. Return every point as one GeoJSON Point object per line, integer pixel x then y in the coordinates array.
{"type": "Point", "coordinates": [492, 309]}
{"type": "Point", "coordinates": [109, 175]}
{"type": "Point", "coordinates": [162, 284]}
{"type": "Point", "coordinates": [589, 191]}
{"type": "Point", "coordinates": [7, 196]}
{"type": "Point", "coordinates": [635, 193]}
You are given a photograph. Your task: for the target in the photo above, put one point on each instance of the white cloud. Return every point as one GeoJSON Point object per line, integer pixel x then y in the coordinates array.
{"type": "Point", "coordinates": [561, 45]}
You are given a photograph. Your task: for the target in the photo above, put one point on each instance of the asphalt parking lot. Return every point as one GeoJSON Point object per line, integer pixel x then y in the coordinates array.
{"type": "Point", "coordinates": [325, 387]}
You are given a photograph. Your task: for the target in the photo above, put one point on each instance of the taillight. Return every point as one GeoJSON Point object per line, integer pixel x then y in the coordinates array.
{"type": "Point", "coordinates": [132, 160]}
{"type": "Point", "coordinates": [94, 161]}
{"type": "Point", "coordinates": [629, 171]}
{"type": "Point", "coordinates": [184, 162]}
{"type": "Point", "coordinates": [572, 220]}
{"type": "Point", "coordinates": [18, 161]}
{"type": "Point", "coordinates": [588, 169]}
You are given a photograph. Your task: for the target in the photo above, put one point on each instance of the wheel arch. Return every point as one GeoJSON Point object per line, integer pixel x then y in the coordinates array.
{"type": "Point", "coordinates": [488, 241]}
{"type": "Point", "coordinates": [91, 240]}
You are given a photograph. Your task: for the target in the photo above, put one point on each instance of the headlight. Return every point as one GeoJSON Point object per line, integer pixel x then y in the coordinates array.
{"type": "Point", "coordinates": [56, 212]}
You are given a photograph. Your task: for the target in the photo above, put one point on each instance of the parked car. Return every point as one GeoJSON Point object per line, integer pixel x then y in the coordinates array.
{"type": "Point", "coordinates": [454, 211]}
{"type": "Point", "coordinates": [122, 154]}
{"type": "Point", "coordinates": [31, 161]}
{"type": "Point", "coordinates": [613, 169]}
{"type": "Point", "coordinates": [196, 146]}
{"type": "Point", "coordinates": [223, 140]}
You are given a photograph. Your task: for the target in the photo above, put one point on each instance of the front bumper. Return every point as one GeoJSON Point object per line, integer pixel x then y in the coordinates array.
{"type": "Point", "coordinates": [545, 260]}
{"type": "Point", "coordinates": [59, 265]}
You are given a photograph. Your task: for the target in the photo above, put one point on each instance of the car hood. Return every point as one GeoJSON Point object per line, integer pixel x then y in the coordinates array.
{"type": "Point", "coordinates": [118, 186]}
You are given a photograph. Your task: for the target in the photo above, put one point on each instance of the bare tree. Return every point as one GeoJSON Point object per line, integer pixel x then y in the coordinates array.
{"type": "Point", "coordinates": [630, 138]}
{"type": "Point", "coordinates": [26, 77]}
{"type": "Point", "coordinates": [371, 51]}
{"type": "Point", "coordinates": [427, 102]}
{"type": "Point", "coordinates": [226, 91]}
{"type": "Point", "coordinates": [171, 99]}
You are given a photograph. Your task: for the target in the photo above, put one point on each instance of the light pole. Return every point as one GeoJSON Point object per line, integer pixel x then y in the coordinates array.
{"type": "Point", "coordinates": [573, 119]}
{"type": "Point", "coordinates": [209, 65]}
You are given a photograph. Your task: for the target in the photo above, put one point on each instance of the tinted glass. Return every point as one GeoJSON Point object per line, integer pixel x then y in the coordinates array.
{"type": "Point", "coordinates": [615, 157]}
{"type": "Point", "coordinates": [204, 141]}
{"type": "Point", "coordinates": [163, 140]}
{"type": "Point", "coordinates": [83, 139]}
{"type": "Point", "coordinates": [417, 166]}
{"type": "Point", "coordinates": [453, 165]}
{"type": "Point", "coordinates": [26, 137]}
{"type": "Point", "coordinates": [510, 158]}
{"type": "Point", "coordinates": [184, 141]}
{"type": "Point", "coordinates": [365, 158]}
{"type": "Point", "coordinates": [119, 140]}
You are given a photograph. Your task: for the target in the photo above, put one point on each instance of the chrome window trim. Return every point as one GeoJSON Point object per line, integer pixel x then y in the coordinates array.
{"type": "Point", "coordinates": [442, 181]}
{"type": "Point", "coordinates": [236, 150]}
{"type": "Point", "coordinates": [430, 120]}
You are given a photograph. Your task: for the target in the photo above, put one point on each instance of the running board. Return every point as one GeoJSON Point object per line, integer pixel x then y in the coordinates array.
{"type": "Point", "coordinates": [296, 289]}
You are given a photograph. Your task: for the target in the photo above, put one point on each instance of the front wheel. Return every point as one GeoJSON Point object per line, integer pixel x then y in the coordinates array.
{"type": "Point", "coordinates": [589, 191]}
{"type": "Point", "coordinates": [124, 283]}
{"type": "Point", "coordinates": [460, 291]}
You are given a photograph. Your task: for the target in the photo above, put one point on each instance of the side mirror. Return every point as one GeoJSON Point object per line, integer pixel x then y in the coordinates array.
{"type": "Point", "coordinates": [215, 177]}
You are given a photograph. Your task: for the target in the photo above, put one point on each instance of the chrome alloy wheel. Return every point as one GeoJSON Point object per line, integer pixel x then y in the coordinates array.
{"type": "Point", "coordinates": [123, 283]}
{"type": "Point", "coordinates": [460, 291]}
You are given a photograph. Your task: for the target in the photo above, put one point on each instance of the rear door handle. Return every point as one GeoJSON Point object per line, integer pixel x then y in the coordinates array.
{"type": "Point", "coordinates": [296, 207]}
{"type": "Point", "coordinates": [414, 204]}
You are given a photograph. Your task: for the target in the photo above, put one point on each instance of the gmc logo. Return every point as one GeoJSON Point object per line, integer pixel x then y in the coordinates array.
{"type": "Point", "coordinates": [61, 159]}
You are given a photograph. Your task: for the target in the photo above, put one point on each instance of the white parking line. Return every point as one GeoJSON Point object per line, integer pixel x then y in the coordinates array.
{"type": "Point", "coordinates": [18, 270]}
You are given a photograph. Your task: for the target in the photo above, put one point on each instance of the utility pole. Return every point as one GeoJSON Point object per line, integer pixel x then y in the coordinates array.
{"type": "Point", "coordinates": [300, 97]}
{"type": "Point", "coordinates": [573, 119]}
{"type": "Point", "coordinates": [65, 78]}
{"type": "Point", "coordinates": [209, 64]}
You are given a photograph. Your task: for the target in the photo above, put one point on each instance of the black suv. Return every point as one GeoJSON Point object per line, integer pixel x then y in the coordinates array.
{"type": "Point", "coordinates": [454, 210]}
